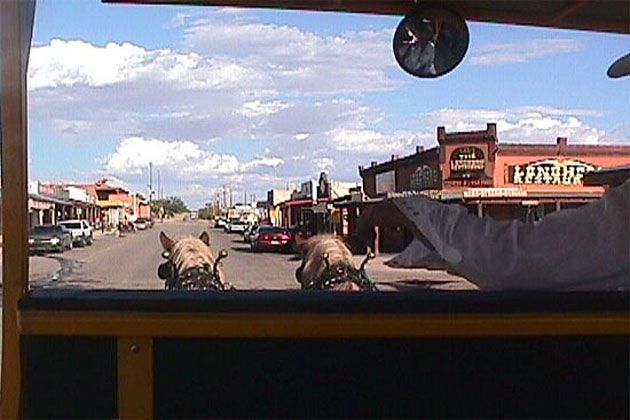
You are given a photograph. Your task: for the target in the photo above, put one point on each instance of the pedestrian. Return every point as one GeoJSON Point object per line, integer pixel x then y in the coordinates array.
{"type": "Point", "coordinates": [584, 248]}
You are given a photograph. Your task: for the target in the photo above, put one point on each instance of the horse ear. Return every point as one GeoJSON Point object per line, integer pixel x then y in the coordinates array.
{"type": "Point", "coordinates": [167, 243]}
{"type": "Point", "coordinates": [205, 238]}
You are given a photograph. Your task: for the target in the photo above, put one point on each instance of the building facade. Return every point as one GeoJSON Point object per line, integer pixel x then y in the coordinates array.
{"type": "Point", "coordinates": [505, 181]}
{"type": "Point", "coordinates": [310, 209]}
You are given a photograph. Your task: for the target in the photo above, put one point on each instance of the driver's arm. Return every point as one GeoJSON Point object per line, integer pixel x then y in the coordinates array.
{"type": "Point", "coordinates": [584, 248]}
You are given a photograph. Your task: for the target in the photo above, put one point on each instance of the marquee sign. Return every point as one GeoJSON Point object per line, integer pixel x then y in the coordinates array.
{"type": "Point", "coordinates": [550, 172]}
{"type": "Point", "coordinates": [467, 162]}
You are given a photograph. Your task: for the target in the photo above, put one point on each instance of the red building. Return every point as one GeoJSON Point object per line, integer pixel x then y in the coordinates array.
{"type": "Point", "coordinates": [501, 180]}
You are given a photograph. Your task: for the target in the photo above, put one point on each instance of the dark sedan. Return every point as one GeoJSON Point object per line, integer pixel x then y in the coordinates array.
{"type": "Point", "coordinates": [271, 238]}
{"type": "Point", "coordinates": [49, 238]}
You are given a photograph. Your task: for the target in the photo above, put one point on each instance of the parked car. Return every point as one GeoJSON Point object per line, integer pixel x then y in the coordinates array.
{"type": "Point", "coordinates": [219, 222]}
{"type": "Point", "coordinates": [236, 225]}
{"type": "Point", "coordinates": [49, 238]}
{"type": "Point", "coordinates": [142, 223]}
{"type": "Point", "coordinates": [272, 238]}
{"type": "Point", "coordinates": [82, 232]}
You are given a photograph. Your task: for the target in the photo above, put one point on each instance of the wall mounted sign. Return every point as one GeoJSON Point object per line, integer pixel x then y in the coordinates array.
{"type": "Point", "coordinates": [467, 162]}
{"type": "Point", "coordinates": [425, 177]}
{"type": "Point", "coordinates": [386, 182]}
{"type": "Point", "coordinates": [494, 193]}
{"type": "Point", "coordinates": [550, 172]}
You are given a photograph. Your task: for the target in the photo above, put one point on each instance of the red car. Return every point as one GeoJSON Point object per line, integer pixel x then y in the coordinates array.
{"type": "Point", "coordinates": [271, 238]}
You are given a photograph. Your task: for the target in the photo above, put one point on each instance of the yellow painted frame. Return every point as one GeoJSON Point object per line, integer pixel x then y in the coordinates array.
{"type": "Point", "coordinates": [135, 377]}
{"type": "Point", "coordinates": [16, 29]}
{"type": "Point", "coordinates": [296, 325]}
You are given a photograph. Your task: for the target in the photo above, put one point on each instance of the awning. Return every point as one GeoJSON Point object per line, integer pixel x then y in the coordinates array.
{"type": "Point", "coordinates": [49, 199]}
{"type": "Point", "coordinates": [302, 202]}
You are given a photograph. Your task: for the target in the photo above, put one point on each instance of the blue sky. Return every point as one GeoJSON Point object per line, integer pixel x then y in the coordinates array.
{"type": "Point", "coordinates": [255, 99]}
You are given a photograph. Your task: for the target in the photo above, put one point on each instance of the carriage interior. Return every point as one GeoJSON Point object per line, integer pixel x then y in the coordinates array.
{"type": "Point", "coordinates": [291, 354]}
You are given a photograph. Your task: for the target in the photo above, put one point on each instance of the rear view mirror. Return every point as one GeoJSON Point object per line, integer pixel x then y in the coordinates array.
{"type": "Point", "coordinates": [431, 42]}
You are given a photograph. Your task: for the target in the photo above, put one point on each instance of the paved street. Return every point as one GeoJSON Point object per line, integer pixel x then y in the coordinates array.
{"type": "Point", "coordinates": [130, 261]}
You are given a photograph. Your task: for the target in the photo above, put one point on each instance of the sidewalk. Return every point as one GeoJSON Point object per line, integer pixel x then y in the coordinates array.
{"type": "Point", "coordinates": [39, 267]}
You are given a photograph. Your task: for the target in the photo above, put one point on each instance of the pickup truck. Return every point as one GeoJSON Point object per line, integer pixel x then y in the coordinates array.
{"type": "Point", "coordinates": [82, 232]}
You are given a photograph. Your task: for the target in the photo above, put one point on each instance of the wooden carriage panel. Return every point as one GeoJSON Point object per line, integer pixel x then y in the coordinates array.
{"type": "Point", "coordinates": [324, 355]}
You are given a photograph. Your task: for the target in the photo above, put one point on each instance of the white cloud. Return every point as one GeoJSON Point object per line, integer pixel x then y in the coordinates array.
{"type": "Point", "coordinates": [619, 134]}
{"type": "Point", "coordinates": [366, 141]}
{"type": "Point", "coordinates": [271, 162]}
{"type": "Point", "coordinates": [520, 51]}
{"type": "Point", "coordinates": [79, 88]}
{"type": "Point", "coordinates": [184, 158]}
{"type": "Point", "coordinates": [262, 109]}
{"type": "Point", "coordinates": [300, 60]}
{"type": "Point", "coordinates": [323, 163]}
{"type": "Point", "coordinates": [76, 62]}
{"type": "Point", "coordinates": [534, 124]}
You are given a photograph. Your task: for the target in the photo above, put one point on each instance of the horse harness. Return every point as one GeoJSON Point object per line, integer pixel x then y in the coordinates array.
{"type": "Point", "coordinates": [335, 275]}
{"type": "Point", "coordinates": [195, 278]}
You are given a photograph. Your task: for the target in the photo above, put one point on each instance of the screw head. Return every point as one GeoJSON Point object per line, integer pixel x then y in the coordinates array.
{"type": "Point", "coordinates": [134, 348]}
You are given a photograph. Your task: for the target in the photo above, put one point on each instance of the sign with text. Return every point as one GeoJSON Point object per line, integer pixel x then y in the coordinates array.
{"type": "Point", "coordinates": [386, 182]}
{"type": "Point", "coordinates": [550, 172]}
{"type": "Point", "coordinates": [494, 193]}
{"type": "Point", "coordinates": [480, 182]}
{"type": "Point", "coordinates": [467, 162]}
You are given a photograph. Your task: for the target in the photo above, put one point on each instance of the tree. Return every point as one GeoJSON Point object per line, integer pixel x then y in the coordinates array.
{"type": "Point", "coordinates": [206, 212]}
{"type": "Point", "coordinates": [171, 205]}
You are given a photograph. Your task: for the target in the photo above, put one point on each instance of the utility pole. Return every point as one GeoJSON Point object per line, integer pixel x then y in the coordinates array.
{"type": "Point", "coordinates": [150, 185]}
{"type": "Point", "coordinates": [158, 188]}
{"type": "Point", "coordinates": [224, 203]}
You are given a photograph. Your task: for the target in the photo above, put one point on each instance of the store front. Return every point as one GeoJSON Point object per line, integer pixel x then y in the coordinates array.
{"type": "Point", "coordinates": [505, 181]}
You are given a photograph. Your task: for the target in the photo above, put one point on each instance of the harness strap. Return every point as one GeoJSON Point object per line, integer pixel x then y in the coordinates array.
{"type": "Point", "coordinates": [331, 278]}
{"type": "Point", "coordinates": [201, 277]}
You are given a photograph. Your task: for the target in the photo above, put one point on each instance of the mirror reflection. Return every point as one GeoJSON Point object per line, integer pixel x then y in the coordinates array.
{"type": "Point", "coordinates": [431, 42]}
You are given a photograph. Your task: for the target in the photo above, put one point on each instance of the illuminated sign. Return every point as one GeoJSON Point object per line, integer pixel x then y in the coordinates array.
{"type": "Point", "coordinates": [550, 172]}
{"type": "Point", "coordinates": [467, 162]}
{"type": "Point", "coordinates": [424, 177]}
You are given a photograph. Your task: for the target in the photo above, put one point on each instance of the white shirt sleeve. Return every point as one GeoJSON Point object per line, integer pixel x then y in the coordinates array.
{"type": "Point", "coordinates": [587, 248]}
